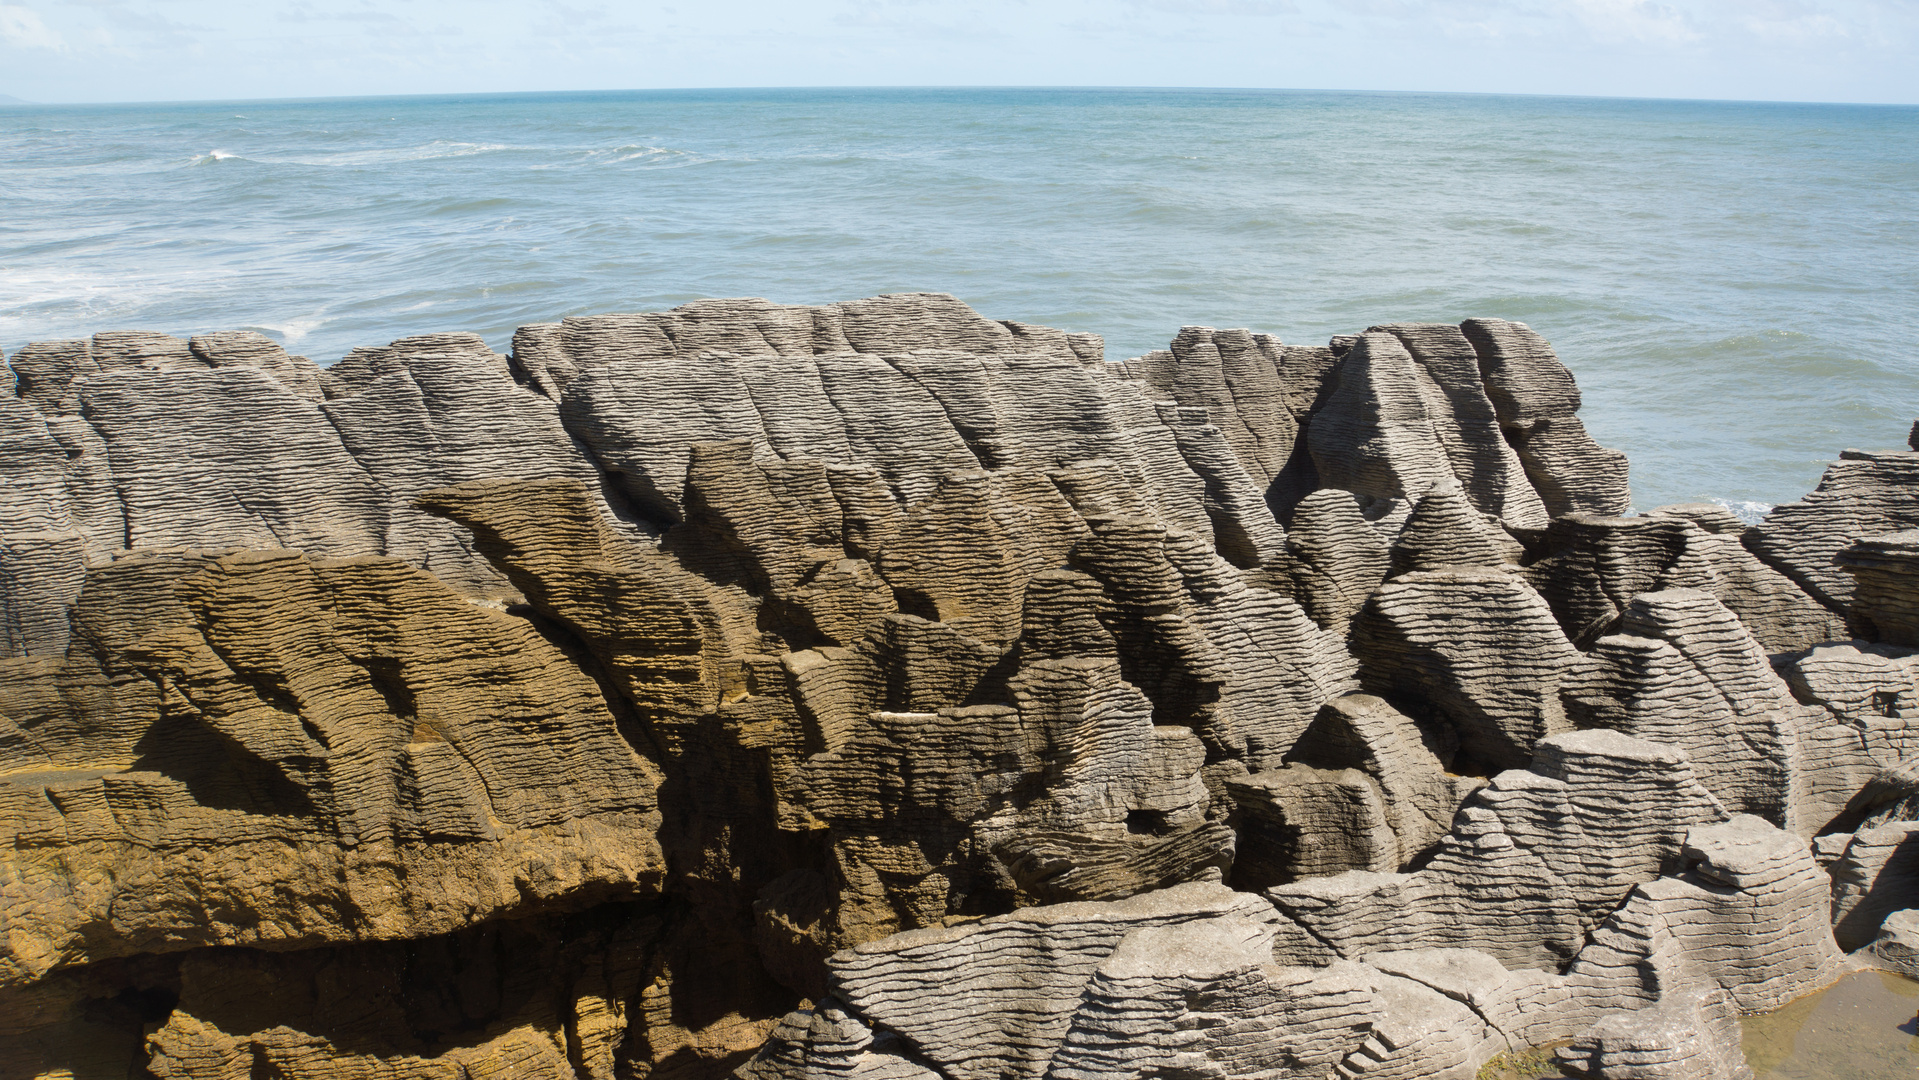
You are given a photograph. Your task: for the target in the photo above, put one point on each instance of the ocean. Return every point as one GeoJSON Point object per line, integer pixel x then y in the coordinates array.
{"type": "Point", "coordinates": [1736, 285]}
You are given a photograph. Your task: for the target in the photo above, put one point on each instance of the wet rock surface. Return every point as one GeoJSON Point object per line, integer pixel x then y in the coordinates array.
{"type": "Point", "coordinates": [881, 690]}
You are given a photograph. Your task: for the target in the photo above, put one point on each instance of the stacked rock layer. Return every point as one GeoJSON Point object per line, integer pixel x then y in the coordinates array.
{"type": "Point", "coordinates": [881, 690]}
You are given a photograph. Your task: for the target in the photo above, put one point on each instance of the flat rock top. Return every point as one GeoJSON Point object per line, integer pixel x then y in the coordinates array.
{"type": "Point", "coordinates": [1605, 742]}
{"type": "Point", "coordinates": [1461, 974]}
{"type": "Point", "coordinates": [1204, 950]}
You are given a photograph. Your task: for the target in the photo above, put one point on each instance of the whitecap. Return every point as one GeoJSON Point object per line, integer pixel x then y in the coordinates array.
{"type": "Point", "coordinates": [632, 155]}
{"type": "Point", "coordinates": [438, 148]}
{"type": "Point", "coordinates": [292, 330]}
{"type": "Point", "coordinates": [43, 303]}
{"type": "Point", "coordinates": [391, 155]}
{"type": "Point", "coordinates": [1749, 511]}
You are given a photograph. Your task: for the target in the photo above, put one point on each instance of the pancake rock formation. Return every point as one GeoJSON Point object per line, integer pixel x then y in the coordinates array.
{"type": "Point", "coordinates": [881, 691]}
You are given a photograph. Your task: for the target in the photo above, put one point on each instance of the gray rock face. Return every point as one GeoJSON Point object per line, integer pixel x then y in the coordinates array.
{"type": "Point", "coordinates": [1685, 671]}
{"type": "Point", "coordinates": [1394, 411]}
{"type": "Point", "coordinates": [1897, 946]}
{"type": "Point", "coordinates": [1532, 862]}
{"type": "Point", "coordinates": [1334, 558]}
{"type": "Point", "coordinates": [1866, 688]}
{"type": "Point", "coordinates": [1691, 1036]}
{"type": "Point", "coordinates": [584, 711]}
{"type": "Point", "coordinates": [1535, 398]}
{"type": "Point", "coordinates": [1204, 1000]}
{"type": "Point", "coordinates": [1596, 565]}
{"type": "Point", "coordinates": [1362, 789]}
{"type": "Point", "coordinates": [1861, 495]}
{"type": "Point", "coordinates": [1121, 991]}
{"type": "Point", "coordinates": [1892, 795]}
{"type": "Point", "coordinates": [1781, 615]}
{"type": "Point", "coordinates": [1885, 593]}
{"type": "Point", "coordinates": [1750, 910]}
{"type": "Point", "coordinates": [48, 528]}
{"type": "Point", "coordinates": [1374, 437]}
{"type": "Point", "coordinates": [1481, 647]}
{"type": "Point", "coordinates": [1466, 422]}
{"type": "Point", "coordinates": [230, 458]}
{"type": "Point", "coordinates": [1876, 875]}
{"type": "Point", "coordinates": [996, 998]}
{"type": "Point", "coordinates": [1240, 379]}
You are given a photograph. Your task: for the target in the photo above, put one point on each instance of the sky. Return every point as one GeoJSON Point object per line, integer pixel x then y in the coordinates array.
{"type": "Point", "coordinates": [169, 50]}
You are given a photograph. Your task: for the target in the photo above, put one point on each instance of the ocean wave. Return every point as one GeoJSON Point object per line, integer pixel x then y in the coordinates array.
{"type": "Point", "coordinates": [50, 304]}
{"type": "Point", "coordinates": [291, 330]}
{"type": "Point", "coordinates": [632, 155]}
{"type": "Point", "coordinates": [391, 155]}
{"type": "Point", "coordinates": [438, 148]}
{"type": "Point", "coordinates": [1749, 511]}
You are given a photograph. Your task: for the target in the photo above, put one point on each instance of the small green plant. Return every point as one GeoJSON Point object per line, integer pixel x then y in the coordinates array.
{"type": "Point", "coordinates": [1532, 1063]}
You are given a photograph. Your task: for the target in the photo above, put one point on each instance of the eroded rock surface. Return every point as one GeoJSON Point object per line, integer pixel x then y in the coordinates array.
{"type": "Point", "coordinates": [880, 690]}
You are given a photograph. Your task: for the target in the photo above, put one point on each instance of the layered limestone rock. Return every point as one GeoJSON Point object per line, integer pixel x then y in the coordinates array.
{"type": "Point", "coordinates": [1454, 387]}
{"type": "Point", "coordinates": [1689, 1036]}
{"type": "Point", "coordinates": [960, 799]}
{"type": "Point", "coordinates": [1683, 670]}
{"type": "Point", "coordinates": [882, 690]}
{"type": "Point", "coordinates": [1885, 592]}
{"type": "Point", "coordinates": [1363, 789]}
{"type": "Point", "coordinates": [1205, 1000]}
{"type": "Point", "coordinates": [306, 752]}
{"type": "Point", "coordinates": [1535, 399]}
{"type": "Point", "coordinates": [1595, 565]}
{"type": "Point", "coordinates": [997, 997]}
{"type": "Point", "coordinates": [1868, 688]}
{"type": "Point", "coordinates": [1897, 946]}
{"type": "Point", "coordinates": [1242, 665]}
{"type": "Point", "coordinates": [1374, 436]}
{"type": "Point", "coordinates": [1875, 875]}
{"type": "Point", "coordinates": [1478, 647]}
{"type": "Point", "coordinates": [1334, 558]}
{"type": "Point", "coordinates": [1125, 989]}
{"type": "Point", "coordinates": [1750, 911]}
{"type": "Point", "coordinates": [1533, 860]}
{"type": "Point", "coordinates": [1240, 379]}
{"type": "Point", "coordinates": [1891, 795]}
{"type": "Point", "coordinates": [1780, 614]}
{"type": "Point", "coordinates": [1861, 495]}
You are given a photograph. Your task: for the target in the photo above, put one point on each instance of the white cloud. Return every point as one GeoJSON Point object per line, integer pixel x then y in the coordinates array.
{"type": "Point", "coordinates": [1798, 22]}
{"type": "Point", "coordinates": [1221, 7]}
{"type": "Point", "coordinates": [21, 28]}
{"type": "Point", "coordinates": [1818, 49]}
{"type": "Point", "coordinates": [1635, 20]}
{"type": "Point", "coordinates": [299, 12]}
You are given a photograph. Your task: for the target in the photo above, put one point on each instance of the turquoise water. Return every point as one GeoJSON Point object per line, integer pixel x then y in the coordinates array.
{"type": "Point", "coordinates": [1736, 285]}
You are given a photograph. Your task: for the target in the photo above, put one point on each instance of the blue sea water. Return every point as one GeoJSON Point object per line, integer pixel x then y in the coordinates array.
{"type": "Point", "coordinates": [1735, 285]}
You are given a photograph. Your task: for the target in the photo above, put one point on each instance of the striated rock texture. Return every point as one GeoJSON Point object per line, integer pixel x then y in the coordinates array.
{"type": "Point", "coordinates": [880, 690]}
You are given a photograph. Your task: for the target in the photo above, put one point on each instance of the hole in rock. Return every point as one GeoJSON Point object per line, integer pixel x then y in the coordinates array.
{"type": "Point", "coordinates": [1147, 822]}
{"type": "Point", "coordinates": [916, 603]}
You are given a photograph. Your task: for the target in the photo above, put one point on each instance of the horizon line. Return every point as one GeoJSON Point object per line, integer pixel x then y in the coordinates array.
{"type": "Point", "coordinates": [9, 101]}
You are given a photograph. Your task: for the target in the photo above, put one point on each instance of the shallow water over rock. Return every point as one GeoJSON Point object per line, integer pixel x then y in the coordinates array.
{"type": "Point", "coordinates": [1862, 1028]}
